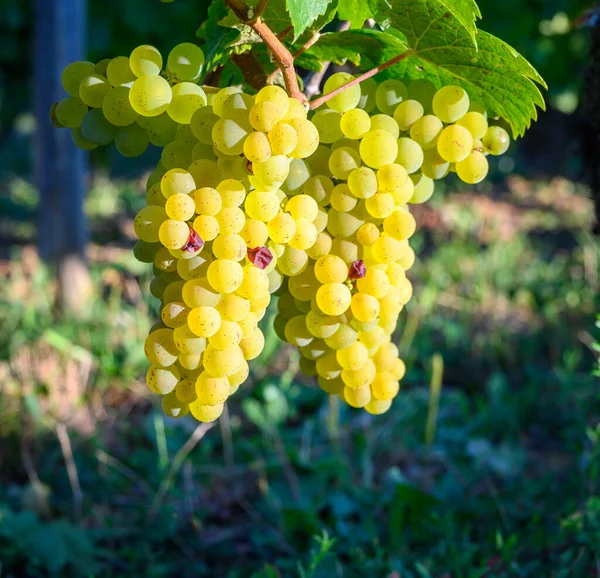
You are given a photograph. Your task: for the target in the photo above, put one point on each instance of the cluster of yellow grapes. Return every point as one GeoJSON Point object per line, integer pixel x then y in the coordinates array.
{"type": "Point", "coordinates": [253, 198]}
{"type": "Point", "coordinates": [131, 101]}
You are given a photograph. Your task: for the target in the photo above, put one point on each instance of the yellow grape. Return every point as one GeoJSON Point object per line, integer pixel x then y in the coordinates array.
{"type": "Point", "coordinates": [455, 143]}
{"type": "Point", "coordinates": [450, 103]}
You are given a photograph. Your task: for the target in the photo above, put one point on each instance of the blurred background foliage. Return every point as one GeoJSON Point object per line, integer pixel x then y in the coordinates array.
{"type": "Point", "coordinates": [495, 474]}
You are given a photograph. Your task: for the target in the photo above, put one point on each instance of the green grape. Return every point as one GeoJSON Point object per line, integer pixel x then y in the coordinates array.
{"type": "Point", "coordinates": [342, 198]}
{"type": "Point", "coordinates": [93, 89]}
{"type": "Point", "coordinates": [385, 122]}
{"type": "Point", "coordinates": [296, 332]}
{"type": "Point", "coordinates": [410, 155]}
{"type": "Point", "coordinates": [375, 283]}
{"type": "Point", "coordinates": [434, 166]}
{"type": "Point", "coordinates": [117, 108]}
{"type": "Point", "coordinates": [306, 235]}
{"type": "Point", "coordinates": [186, 100]}
{"type": "Point", "coordinates": [392, 178]}
{"type": "Point", "coordinates": [302, 206]}
{"type": "Point", "coordinates": [367, 234]}
{"type": "Point", "coordinates": [298, 174]}
{"type": "Point", "coordinates": [423, 91]}
{"type": "Point", "coordinates": [319, 160]}
{"type": "Point", "coordinates": [303, 287]}
{"type": "Point", "coordinates": [321, 325]}
{"type": "Point", "coordinates": [185, 62]}
{"type": "Point", "coordinates": [96, 129]}
{"type": "Point", "coordinates": [390, 93]}
{"type": "Point", "coordinates": [455, 143]}
{"type": "Point", "coordinates": [475, 123]}
{"type": "Point", "coordinates": [212, 391]}
{"type": "Point", "coordinates": [352, 357]}
{"type": "Point", "coordinates": [74, 73]}
{"type": "Point", "coordinates": [150, 95]}
{"type": "Point", "coordinates": [400, 225]}
{"type": "Point", "coordinates": [131, 141]}
{"type": "Point", "coordinates": [495, 141]}
{"type": "Point", "coordinates": [308, 138]}
{"type": "Point", "coordinates": [177, 181]}
{"type": "Point", "coordinates": [364, 307]}
{"type": "Point", "coordinates": [225, 276]}
{"type": "Point", "coordinates": [161, 129]}
{"type": "Point", "coordinates": [380, 205]}
{"type": "Point", "coordinates": [333, 298]}
{"type": "Point", "coordinates": [70, 111]}
{"type": "Point", "coordinates": [296, 110]}
{"type": "Point", "coordinates": [343, 161]}
{"type": "Point", "coordinates": [450, 103]}
{"type": "Point", "coordinates": [344, 337]}
{"type": "Point", "coordinates": [262, 206]}
{"type": "Point", "coordinates": [147, 222]}
{"type": "Point", "coordinates": [328, 123]}
{"type": "Point", "coordinates": [237, 106]}
{"type": "Point", "coordinates": [204, 413]}
{"type": "Point", "coordinates": [207, 227]}
{"type": "Point", "coordinates": [292, 261]}
{"type": "Point", "coordinates": [199, 293]}
{"type": "Point", "coordinates": [347, 249]}
{"type": "Point", "coordinates": [355, 123]}
{"type": "Point", "coordinates": [193, 268]}
{"type": "Point", "coordinates": [368, 88]}
{"type": "Point", "coordinates": [377, 407]}
{"type": "Point", "coordinates": [180, 207]}
{"type": "Point", "coordinates": [407, 113]}
{"type": "Point", "coordinates": [273, 172]}
{"type": "Point", "coordinates": [203, 151]}
{"type": "Point", "coordinates": [160, 348]}
{"type": "Point", "coordinates": [257, 148]}
{"type": "Point", "coordinates": [387, 248]}
{"type": "Point", "coordinates": [221, 97]}
{"type": "Point", "coordinates": [264, 116]}
{"type": "Point", "coordinates": [348, 98]}
{"type": "Point", "coordinates": [204, 321]}
{"type": "Point", "coordinates": [205, 173]}
{"type": "Point", "coordinates": [319, 188]}
{"type": "Point", "coordinates": [174, 314]}
{"type": "Point", "coordinates": [145, 60]}
{"type": "Point", "coordinates": [275, 95]}
{"type": "Point", "coordinates": [378, 148]}
{"type": "Point", "coordinates": [473, 169]}
{"type": "Point", "coordinates": [171, 406]}
{"type": "Point", "coordinates": [356, 397]}
{"type": "Point", "coordinates": [423, 188]}
{"type": "Point", "coordinates": [343, 224]}
{"type": "Point", "coordinates": [330, 269]}
{"type": "Point", "coordinates": [231, 247]}
{"type": "Point", "coordinates": [176, 155]}
{"type": "Point", "coordinates": [231, 220]}
{"type": "Point", "coordinates": [223, 362]}
{"type": "Point", "coordinates": [254, 284]}
{"type": "Point", "coordinates": [202, 123]}
{"type": "Point", "coordinates": [232, 192]}
{"type": "Point", "coordinates": [228, 136]}
{"type": "Point", "coordinates": [144, 251]}
{"type": "Point", "coordinates": [119, 72]}
{"type": "Point", "coordinates": [162, 380]}
{"type": "Point", "coordinates": [253, 345]}
{"type": "Point", "coordinates": [173, 234]}
{"type": "Point", "coordinates": [102, 66]}
{"type": "Point", "coordinates": [426, 131]}
{"type": "Point", "coordinates": [281, 228]}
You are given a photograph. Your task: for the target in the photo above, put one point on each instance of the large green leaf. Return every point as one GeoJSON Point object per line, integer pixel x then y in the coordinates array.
{"type": "Point", "coordinates": [357, 11]}
{"type": "Point", "coordinates": [303, 13]}
{"type": "Point", "coordinates": [494, 74]}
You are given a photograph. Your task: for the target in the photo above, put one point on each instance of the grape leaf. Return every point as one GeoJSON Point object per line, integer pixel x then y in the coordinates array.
{"type": "Point", "coordinates": [304, 12]}
{"type": "Point", "coordinates": [357, 11]}
{"type": "Point", "coordinates": [465, 11]}
{"type": "Point", "coordinates": [494, 74]}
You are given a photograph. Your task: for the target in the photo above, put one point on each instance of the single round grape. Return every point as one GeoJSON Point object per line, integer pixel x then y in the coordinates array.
{"type": "Point", "coordinates": [173, 234]}
{"type": "Point", "coordinates": [161, 129]}
{"type": "Point", "coordinates": [292, 261]}
{"type": "Point", "coordinates": [348, 98]}
{"type": "Point", "coordinates": [131, 141]}
{"type": "Point", "coordinates": [228, 136]}
{"type": "Point", "coordinates": [223, 362]}
{"type": "Point", "coordinates": [162, 380]}
{"type": "Point", "coordinates": [495, 141]}
{"type": "Point", "coordinates": [228, 335]}
{"type": "Point", "coordinates": [400, 224]}
{"type": "Point", "coordinates": [171, 406]}
{"type": "Point", "coordinates": [253, 344]}
{"type": "Point", "coordinates": [264, 116]}
{"type": "Point", "coordinates": [257, 148]}
{"type": "Point", "coordinates": [80, 141]}
{"type": "Point", "coordinates": [331, 269]}
{"type": "Point", "coordinates": [70, 111]}
{"type": "Point", "coordinates": [321, 247]}
{"type": "Point", "coordinates": [352, 357]}
{"type": "Point", "coordinates": [375, 283]}
{"type": "Point", "coordinates": [207, 201]}
{"type": "Point", "coordinates": [205, 173]}
{"type": "Point", "coordinates": [386, 249]}
{"type": "Point", "coordinates": [434, 166]}
{"type": "Point", "coordinates": [74, 73]}
{"type": "Point", "coordinates": [225, 276]}
{"type": "Point", "coordinates": [342, 198]}
{"type": "Point", "coordinates": [385, 122]}
{"type": "Point", "coordinates": [347, 249]}
{"type": "Point", "coordinates": [116, 107]}
{"type": "Point", "coordinates": [305, 236]}
{"type": "Point", "coordinates": [204, 321]}
{"type": "Point", "coordinates": [475, 123]}
{"type": "Point", "coordinates": [254, 284]}
{"type": "Point", "coordinates": [473, 169]}
{"type": "Point", "coordinates": [205, 413]}
{"type": "Point", "coordinates": [185, 61]}
{"type": "Point", "coordinates": [231, 220]}
{"type": "Point", "coordinates": [202, 123]}
{"type": "Point", "coordinates": [96, 129]}
{"type": "Point", "coordinates": [378, 407]}
{"type": "Point", "coordinates": [333, 298]}
{"type": "Point", "coordinates": [362, 182]}
{"type": "Point", "coordinates": [147, 222]}
{"type": "Point", "coordinates": [145, 60]}
{"type": "Point", "coordinates": [174, 314]}
{"type": "Point", "coordinates": [296, 332]}
{"type": "Point", "coordinates": [385, 386]}
{"type": "Point", "coordinates": [276, 95]}
{"type": "Point", "coordinates": [262, 206]}
{"type": "Point", "coordinates": [176, 154]}
{"type": "Point", "coordinates": [367, 234]}
{"type": "Point", "coordinates": [378, 148]}
{"type": "Point", "coordinates": [160, 348]}
{"type": "Point", "coordinates": [450, 103]}
{"type": "Point", "coordinates": [390, 93]}
{"type": "Point", "coordinates": [426, 131]}
{"type": "Point", "coordinates": [296, 110]}
{"type": "Point", "coordinates": [398, 369]}
{"type": "Point", "coordinates": [455, 143]}
{"type": "Point", "coordinates": [187, 98]}
{"type": "Point", "coordinates": [177, 181]}
{"type": "Point", "coordinates": [119, 72]}
{"type": "Point", "coordinates": [410, 155]}
{"type": "Point", "coordinates": [93, 89]}
{"type": "Point", "coordinates": [302, 207]}
{"type": "Point", "coordinates": [180, 207]}
{"type": "Point", "coordinates": [368, 88]}
{"type": "Point", "coordinates": [328, 123]}
{"type": "Point", "coordinates": [233, 307]}
{"type": "Point", "coordinates": [380, 205]}
{"type": "Point", "coordinates": [364, 307]}
{"type": "Point", "coordinates": [355, 123]}
{"type": "Point", "coordinates": [343, 161]}
{"type": "Point", "coordinates": [207, 227]}
{"type": "Point", "coordinates": [308, 138]}
{"type": "Point", "coordinates": [343, 224]}
{"type": "Point", "coordinates": [273, 172]}
{"type": "Point", "coordinates": [407, 113]}
{"type": "Point", "coordinates": [361, 377]}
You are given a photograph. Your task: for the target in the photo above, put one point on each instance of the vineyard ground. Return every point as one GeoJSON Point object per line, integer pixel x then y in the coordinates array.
{"type": "Point", "coordinates": [505, 289]}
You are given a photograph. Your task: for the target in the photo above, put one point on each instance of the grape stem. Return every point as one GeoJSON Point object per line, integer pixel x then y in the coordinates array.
{"type": "Point", "coordinates": [282, 56]}
{"type": "Point", "coordinates": [323, 99]}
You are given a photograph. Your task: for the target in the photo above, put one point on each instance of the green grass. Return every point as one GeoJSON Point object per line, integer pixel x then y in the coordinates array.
{"type": "Point", "coordinates": [489, 468]}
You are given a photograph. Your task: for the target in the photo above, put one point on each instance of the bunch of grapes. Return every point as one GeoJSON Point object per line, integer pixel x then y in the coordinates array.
{"type": "Point", "coordinates": [252, 198]}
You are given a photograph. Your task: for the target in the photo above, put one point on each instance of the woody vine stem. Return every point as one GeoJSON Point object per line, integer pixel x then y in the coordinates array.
{"type": "Point", "coordinates": [285, 61]}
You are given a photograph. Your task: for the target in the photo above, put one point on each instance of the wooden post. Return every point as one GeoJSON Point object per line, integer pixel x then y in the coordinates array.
{"type": "Point", "coordinates": [59, 164]}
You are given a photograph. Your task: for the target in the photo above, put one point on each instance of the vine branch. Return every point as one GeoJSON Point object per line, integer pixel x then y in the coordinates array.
{"type": "Point", "coordinates": [285, 61]}
{"type": "Point", "coordinates": [323, 99]}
